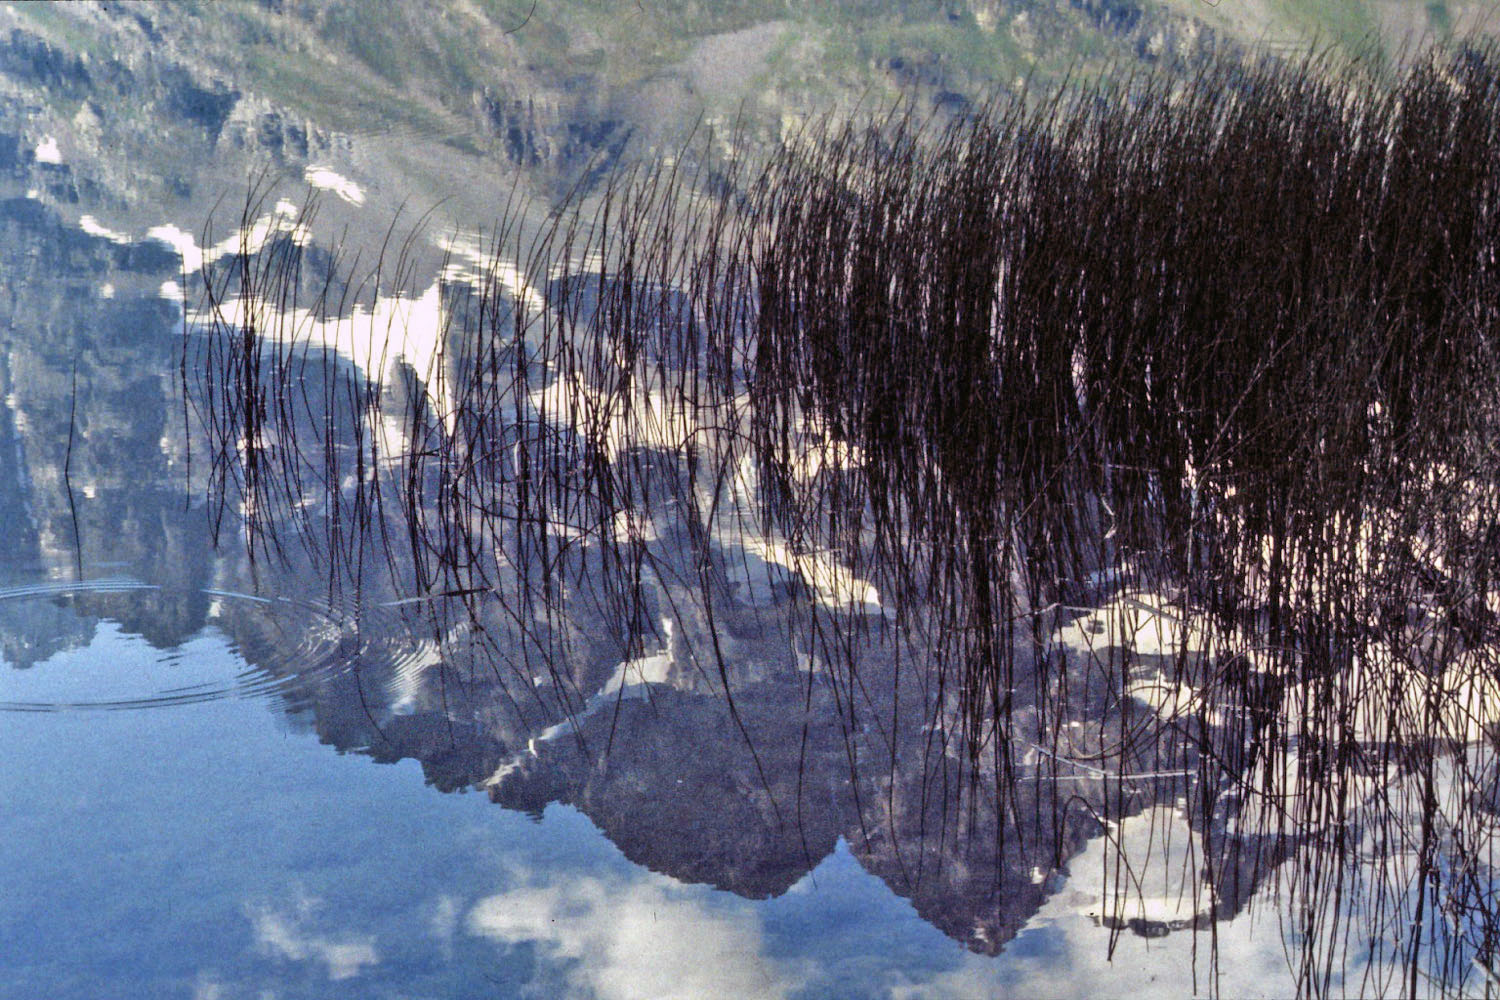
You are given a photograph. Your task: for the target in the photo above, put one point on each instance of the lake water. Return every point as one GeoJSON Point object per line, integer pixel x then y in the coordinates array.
{"type": "Point", "coordinates": [214, 786]}
{"type": "Point", "coordinates": [246, 751]}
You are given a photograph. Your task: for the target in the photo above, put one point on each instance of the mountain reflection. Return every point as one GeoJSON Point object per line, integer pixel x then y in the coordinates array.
{"type": "Point", "coordinates": [680, 531]}
{"type": "Point", "coordinates": [724, 706]}
{"type": "Point", "coordinates": [707, 737]}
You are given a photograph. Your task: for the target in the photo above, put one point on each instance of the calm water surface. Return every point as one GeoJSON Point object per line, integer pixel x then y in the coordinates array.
{"type": "Point", "coordinates": [222, 849]}
{"type": "Point", "coordinates": [223, 777]}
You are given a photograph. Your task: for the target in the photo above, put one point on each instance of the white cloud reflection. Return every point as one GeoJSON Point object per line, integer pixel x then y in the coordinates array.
{"type": "Point", "coordinates": [620, 941]}
{"type": "Point", "coordinates": [1064, 951]}
{"type": "Point", "coordinates": [285, 935]}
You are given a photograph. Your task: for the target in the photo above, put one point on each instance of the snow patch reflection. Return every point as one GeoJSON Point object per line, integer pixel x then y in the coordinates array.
{"type": "Point", "coordinates": [47, 151]}
{"type": "Point", "coordinates": [325, 179]}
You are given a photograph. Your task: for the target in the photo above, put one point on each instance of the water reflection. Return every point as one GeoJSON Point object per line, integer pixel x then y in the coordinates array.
{"type": "Point", "coordinates": [790, 795]}
{"type": "Point", "coordinates": [228, 851]}
{"type": "Point", "coordinates": [488, 525]}
{"type": "Point", "coordinates": [727, 707]}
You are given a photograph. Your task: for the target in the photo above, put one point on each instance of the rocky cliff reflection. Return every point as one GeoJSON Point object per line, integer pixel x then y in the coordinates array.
{"type": "Point", "coordinates": [703, 731]}
{"type": "Point", "coordinates": [533, 532]}
{"type": "Point", "coordinates": [546, 534]}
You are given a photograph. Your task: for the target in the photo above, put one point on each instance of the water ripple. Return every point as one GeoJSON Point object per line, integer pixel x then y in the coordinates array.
{"type": "Point", "coordinates": [251, 646]}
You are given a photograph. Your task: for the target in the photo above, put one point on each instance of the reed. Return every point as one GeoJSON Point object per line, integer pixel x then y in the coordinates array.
{"type": "Point", "coordinates": [1149, 429]}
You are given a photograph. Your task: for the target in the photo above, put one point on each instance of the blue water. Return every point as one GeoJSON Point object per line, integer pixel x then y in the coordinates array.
{"type": "Point", "coordinates": [219, 850]}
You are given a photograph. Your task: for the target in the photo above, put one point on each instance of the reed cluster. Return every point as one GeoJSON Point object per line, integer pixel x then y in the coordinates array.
{"type": "Point", "coordinates": [1176, 400]}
